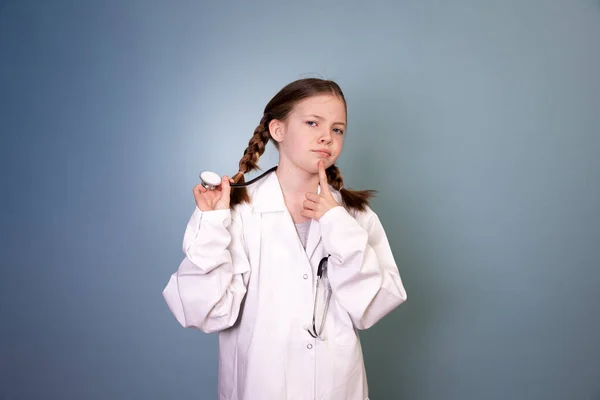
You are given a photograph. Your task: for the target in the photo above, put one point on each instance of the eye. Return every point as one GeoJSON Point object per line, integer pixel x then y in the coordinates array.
{"type": "Point", "coordinates": [338, 130]}
{"type": "Point", "coordinates": [311, 123]}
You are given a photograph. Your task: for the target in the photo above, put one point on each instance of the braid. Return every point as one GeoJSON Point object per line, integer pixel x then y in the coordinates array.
{"type": "Point", "coordinates": [334, 177]}
{"type": "Point", "coordinates": [255, 149]}
{"type": "Point", "coordinates": [249, 162]}
{"type": "Point", "coordinates": [353, 199]}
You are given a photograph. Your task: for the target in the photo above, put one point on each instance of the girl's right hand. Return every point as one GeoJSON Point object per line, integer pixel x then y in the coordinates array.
{"type": "Point", "coordinates": [217, 199]}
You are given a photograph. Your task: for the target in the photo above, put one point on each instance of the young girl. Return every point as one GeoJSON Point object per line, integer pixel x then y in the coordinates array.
{"type": "Point", "coordinates": [289, 268]}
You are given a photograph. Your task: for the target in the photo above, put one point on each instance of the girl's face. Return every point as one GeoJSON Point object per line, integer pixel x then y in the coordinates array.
{"type": "Point", "coordinates": [313, 131]}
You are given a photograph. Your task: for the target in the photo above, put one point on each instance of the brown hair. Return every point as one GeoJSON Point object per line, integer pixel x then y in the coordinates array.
{"type": "Point", "coordinates": [279, 108]}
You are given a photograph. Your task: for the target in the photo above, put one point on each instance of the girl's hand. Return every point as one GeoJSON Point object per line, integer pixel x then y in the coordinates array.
{"type": "Point", "coordinates": [316, 205]}
{"type": "Point", "coordinates": [217, 199]}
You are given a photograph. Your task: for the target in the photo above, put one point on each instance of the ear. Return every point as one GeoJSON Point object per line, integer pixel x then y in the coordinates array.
{"type": "Point", "coordinates": [277, 130]}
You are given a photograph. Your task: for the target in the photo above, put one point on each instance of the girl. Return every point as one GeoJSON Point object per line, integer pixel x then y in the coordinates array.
{"type": "Point", "coordinates": [289, 269]}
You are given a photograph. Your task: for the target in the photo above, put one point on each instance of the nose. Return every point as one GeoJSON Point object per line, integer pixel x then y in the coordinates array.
{"type": "Point", "coordinates": [325, 136]}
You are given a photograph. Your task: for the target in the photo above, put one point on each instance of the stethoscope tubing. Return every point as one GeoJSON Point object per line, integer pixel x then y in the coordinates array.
{"type": "Point", "coordinates": [238, 185]}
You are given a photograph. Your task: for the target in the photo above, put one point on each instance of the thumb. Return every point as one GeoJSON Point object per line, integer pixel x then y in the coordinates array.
{"type": "Point", "coordinates": [225, 187]}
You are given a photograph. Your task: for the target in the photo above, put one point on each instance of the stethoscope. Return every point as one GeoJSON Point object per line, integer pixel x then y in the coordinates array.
{"type": "Point", "coordinates": [212, 180]}
{"type": "Point", "coordinates": [322, 270]}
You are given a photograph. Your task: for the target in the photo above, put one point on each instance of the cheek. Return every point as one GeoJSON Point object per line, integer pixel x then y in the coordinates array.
{"type": "Point", "coordinates": [296, 143]}
{"type": "Point", "coordinates": [293, 144]}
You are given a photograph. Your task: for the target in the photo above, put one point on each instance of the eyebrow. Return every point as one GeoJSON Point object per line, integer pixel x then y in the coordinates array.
{"type": "Point", "coordinates": [321, 118]}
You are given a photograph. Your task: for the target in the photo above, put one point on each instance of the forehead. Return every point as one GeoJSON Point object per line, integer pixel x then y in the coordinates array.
{"type": "Point", "coordinates": [327, 106]}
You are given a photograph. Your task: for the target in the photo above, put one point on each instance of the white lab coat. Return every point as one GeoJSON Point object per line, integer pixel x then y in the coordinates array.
{"type": "Point", "coordinates": [247, 276]}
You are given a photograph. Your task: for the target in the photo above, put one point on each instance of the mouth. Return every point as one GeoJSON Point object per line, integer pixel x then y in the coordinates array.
{"type": "Point", "coordinates": [322, 153]}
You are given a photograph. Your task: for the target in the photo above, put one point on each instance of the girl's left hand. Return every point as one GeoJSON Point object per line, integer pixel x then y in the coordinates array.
{"type": "Point", "coordinates": [316, 205]}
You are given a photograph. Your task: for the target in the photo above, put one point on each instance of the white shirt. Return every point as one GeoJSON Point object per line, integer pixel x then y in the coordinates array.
{"type": "Point", "coordinates": [247, 275]}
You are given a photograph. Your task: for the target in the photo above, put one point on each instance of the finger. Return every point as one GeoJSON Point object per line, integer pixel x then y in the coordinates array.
{"type": "Point", "coordinates": [312, 196]}
{"type": "Point", "coordinates": [309, 205]}
{"type": "Point", "coordinates": [323, 178]}
{"type": "Point", "coordinates": [198, 190]}
{"type": "Point", "coordinates": [308, 214]}
{"type": "Point", "coordinates": [225, 186]}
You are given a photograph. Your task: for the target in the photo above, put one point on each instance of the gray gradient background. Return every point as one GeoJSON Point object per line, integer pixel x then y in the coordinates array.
{"type": "Point", "coordinates": [477, 121]}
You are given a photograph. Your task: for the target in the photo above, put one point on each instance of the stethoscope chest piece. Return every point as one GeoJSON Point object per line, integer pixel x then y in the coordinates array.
{"type": "Point", "coordinates": [210, 180]}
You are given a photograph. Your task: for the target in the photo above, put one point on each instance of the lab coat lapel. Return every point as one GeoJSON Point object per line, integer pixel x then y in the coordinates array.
{"type": "Point", "coordinates": [314, 238]}
{"type": "Point", "coordinates": [268, 197]}
{"type": "Point", "coordinates": [314, 234]}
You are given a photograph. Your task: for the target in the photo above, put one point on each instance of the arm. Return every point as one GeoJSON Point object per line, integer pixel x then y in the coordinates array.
{"type": "Point", "coordinates": [208, 288]}
{"type": "Point", "coordinates": [362, 272]}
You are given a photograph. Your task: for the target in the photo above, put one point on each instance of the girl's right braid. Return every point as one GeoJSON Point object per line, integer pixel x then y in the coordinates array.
{"type": "Point", "coordinates": [249, 162]}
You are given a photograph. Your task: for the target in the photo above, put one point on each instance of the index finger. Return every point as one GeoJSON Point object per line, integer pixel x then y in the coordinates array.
{"type": "Point", "coordinates": [323, 177]}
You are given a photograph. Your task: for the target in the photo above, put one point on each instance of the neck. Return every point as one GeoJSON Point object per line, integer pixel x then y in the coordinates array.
{"type": "Point", "coordinates": [296, 182]}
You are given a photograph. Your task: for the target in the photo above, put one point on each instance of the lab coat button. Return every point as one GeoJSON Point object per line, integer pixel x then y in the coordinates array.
{"type": "Point", "coordinates": [305, 276]}
{"type": "Point", "coordinates": [309, 346]}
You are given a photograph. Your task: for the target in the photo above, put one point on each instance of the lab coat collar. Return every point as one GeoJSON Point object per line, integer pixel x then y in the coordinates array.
{"type": "Point", "coordinates": [268, 196]}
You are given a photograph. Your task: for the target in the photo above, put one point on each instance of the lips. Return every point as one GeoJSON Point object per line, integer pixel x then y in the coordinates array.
{"type": "Point", "coordinates": [323, 152]}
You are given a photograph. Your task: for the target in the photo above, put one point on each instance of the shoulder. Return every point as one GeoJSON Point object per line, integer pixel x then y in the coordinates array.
{"type": "Point", "coordinates": [257, 193]}
{"type": "Point", "coordinates": [255, 188]}
{"type": "Point", "coordinates": [362, 217]}
{"type": "Point", "coordinates": [367, 218]}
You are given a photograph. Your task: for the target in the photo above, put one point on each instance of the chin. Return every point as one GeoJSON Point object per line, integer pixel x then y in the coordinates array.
{"type": "Point", "coordinates": [315, 167]}
{"type": "Point", "coordinates": [311, 168]}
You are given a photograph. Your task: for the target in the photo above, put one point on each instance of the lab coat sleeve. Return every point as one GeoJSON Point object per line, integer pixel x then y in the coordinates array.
{"type": "Point", "coordinates": [208, 288]}
{"type": "Point", "coordinates": [362, 272]}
